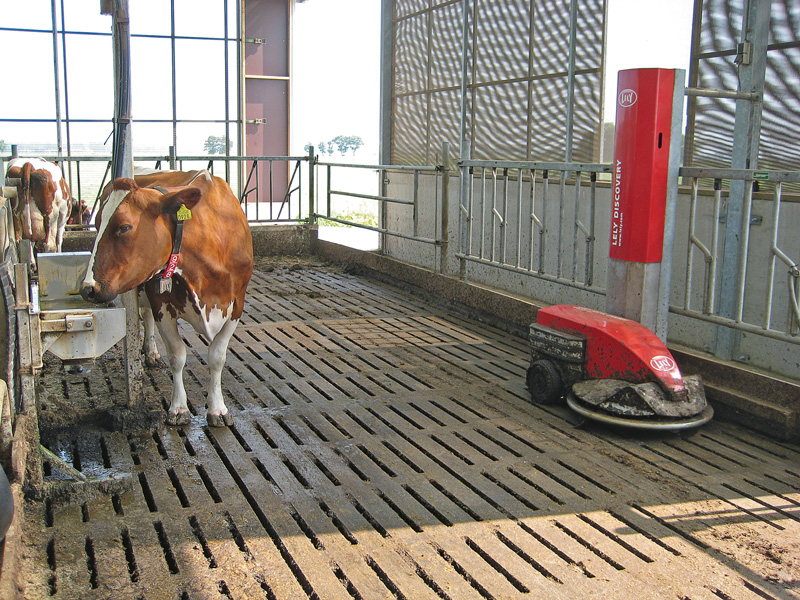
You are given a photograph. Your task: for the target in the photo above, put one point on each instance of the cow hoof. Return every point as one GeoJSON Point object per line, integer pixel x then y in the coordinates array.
{"type": "Point", "coordinates": [220, 420]}
{"type": "Point", "coordinates": [153, 361]}
{"type": "Point", "coordinates": [181, 418]}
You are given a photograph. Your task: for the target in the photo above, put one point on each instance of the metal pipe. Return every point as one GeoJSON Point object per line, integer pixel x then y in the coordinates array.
{"type": "Point", "coordinates": [744, 241]}
{"type": "Point", "coordinates": [774, 246]}
{"type": "Point", "coordinates": [56, 86]}
{"type": "Point", "coordinates": [739, 326]}
{"type": "Point", "coordinates": [483, 261]}
{"type": "Point", "coordinates": [504, 219]}
{"type": "Point", "coordinates": [519, 219]}
{"type": "Point", "coordinates": [573, 36]}
{"type": "Point", "coordinates": [562, 190]}
{"type": "Point", "coordinates": [379, 230]}
{"type": "Point", "coordinates": [590, 240]}
{"type": "Point", "coordinates": [415, 204]}
{"type": "Point", "coordinates": [576, 224]}
{"type": "Point", "coordinates": [709, 93]}
{"type": "Point", "coordinates": [687, 300]}
{"type": "Point", "coordinates": [543, 230]}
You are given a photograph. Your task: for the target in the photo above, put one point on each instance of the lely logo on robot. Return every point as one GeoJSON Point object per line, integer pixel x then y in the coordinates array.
{"type": "Point", "coordinates": [662, 363]}
{"type": "Point", "coordinates": [627, 98]}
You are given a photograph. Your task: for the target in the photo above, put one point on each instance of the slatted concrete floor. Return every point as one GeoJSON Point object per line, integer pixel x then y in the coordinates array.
{"type": "Point", "coordinates": [384, 448]}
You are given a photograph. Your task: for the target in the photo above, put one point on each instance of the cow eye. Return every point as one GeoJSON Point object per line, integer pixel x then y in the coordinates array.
{"type": "Point", "coordinates": [124, 229]}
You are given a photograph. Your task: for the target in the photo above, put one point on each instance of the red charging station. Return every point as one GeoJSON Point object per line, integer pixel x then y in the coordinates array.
{"type": "Point", "coordinates": [641, 162]}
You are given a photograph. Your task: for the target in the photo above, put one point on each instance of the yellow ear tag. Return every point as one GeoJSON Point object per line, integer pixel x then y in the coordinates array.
{"type": "Point", "coordinates": [184, 213]}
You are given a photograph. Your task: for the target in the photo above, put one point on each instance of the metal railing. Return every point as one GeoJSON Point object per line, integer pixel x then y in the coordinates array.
{"type": "Point", "coordinates": [749, 315]}
{"type": "Point", "coordinates": [329, 213]}
{"type": "Point", "coordinates": [270, 188]}
{"type": "Point", "coordinates": [527, 204]}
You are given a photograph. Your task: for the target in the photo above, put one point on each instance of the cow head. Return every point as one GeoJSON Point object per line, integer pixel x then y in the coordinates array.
{"type": "Point", "coordinates": [38, 207]}
{"type": "Point", "coordinates": [135, 229]}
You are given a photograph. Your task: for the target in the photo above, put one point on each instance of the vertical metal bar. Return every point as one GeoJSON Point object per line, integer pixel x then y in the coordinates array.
{"type": "Point", "coordinates": [562, 190]}
{"type": "Point", "coordinates": [470, 212]}
{"type": "Point", "coordinates": [386, 58]}
{"type": "Point", "coordinates": [575, 224]}
{"type": "Point", "coordinates": [483, 212]}
{"type": "Point", "coordinates": [227, 94]}
{"type": "Point", "coordinates": [416, 202]}
{"type": "Point", "coordinates": [312, 167]}
{"type": "Point", "coordinates": [534, 222]}
{"type": "Point", "coordinates": [529, 91]}
{"type": "Point", "coordinates": [776, 211]}
{"type": "Point", "coordinates": [383, 208]}
{"type": "Point", "coordinates": [56, 84]}
{"type": "Point", "coordinates": [328, 193]}
{"type": "Point", "coordinates": [712, 264]}
{"type": "Point", "coordinates": [745, 243]}
{"type": "Point", "coordinates": [755, 30]}
{"type": "Point", "coordinates": [66, 91]}
{"type": "Point", "coordinates": [573, 36]}
{"type": "Point", "coordinates": [519, 220]}
{"type": "Point", "coordinates": [173, 158]}
{"type": "Point", "coordinates": [694, 78]}
{"type": "Point", "coordinates": [240, 90]}
{"type": "Point", "coordinates": [671, 206]}
{"type": "Point", "coordinates": [504, 219]}
{"type": "Point", "coordinates": [543, 226]}
{"type": "Point", "coordinates": [174, 84]}
{"type": "Point", "coordinates": [464, 151]}
{"type": "Point", "coordinates": [444, 234]}
{"type": "Point", "coordinates": [494, 213]}
{"type": "Point", "coordinates": [258, 189]}
{"type": "Point", "coordinates": [271, 198]}
{"type": "Point", "coordinates": [687, 299]}
{"type": "Point", "coordinates": [590, 239]}
{"type": "Point", "coordinates": [123, 167]}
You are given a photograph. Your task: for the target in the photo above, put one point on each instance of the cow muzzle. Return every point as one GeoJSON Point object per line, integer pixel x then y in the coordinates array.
{"type": "Point", "coordinates": [94, 293]}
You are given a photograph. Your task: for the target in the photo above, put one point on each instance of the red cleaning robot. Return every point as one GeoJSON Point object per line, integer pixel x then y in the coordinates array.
{"type": "Point", "coordinates": [612, 370]}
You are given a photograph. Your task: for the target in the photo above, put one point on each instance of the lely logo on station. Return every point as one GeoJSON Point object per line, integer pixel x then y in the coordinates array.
{"type": "Point", "coordinates": [627, 98]}
{"type": "Point", "coordinates": [662, 363]}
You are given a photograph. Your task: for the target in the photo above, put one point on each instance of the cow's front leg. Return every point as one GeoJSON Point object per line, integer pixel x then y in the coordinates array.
{"type": "Point", "coordinates": [176, 357]}
{"type": "Point", "coordinates": [218, 415]}
{"type": "Point", "coordinates": [151, 356]}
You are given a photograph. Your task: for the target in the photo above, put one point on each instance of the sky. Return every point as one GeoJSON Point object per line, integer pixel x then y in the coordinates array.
{"type": "Point", "coordinates": [336, 63]}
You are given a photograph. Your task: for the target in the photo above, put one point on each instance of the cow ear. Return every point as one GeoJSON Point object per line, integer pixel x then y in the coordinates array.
{"type": "Point", "coordinates": [188, 197]}
{"type": "Point", "coordinates": [124, 183]}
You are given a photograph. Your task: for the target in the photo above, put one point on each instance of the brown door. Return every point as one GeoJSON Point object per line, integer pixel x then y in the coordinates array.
{"type": "Point", "coordinates": [266, 93]}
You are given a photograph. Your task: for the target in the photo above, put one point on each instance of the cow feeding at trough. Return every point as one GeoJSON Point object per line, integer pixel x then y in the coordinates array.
{"type": "Point", "coordinates": [182, 239]}
{"type": "Point", "coordinates": [43, 202]}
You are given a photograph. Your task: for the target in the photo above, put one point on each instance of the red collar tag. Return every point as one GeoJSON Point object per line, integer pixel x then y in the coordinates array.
{"type": "Point", "coordinates": [172, 264]}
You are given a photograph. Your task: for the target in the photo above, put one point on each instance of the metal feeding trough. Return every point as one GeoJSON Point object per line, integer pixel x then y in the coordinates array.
{"type": "Point", "coordinates": [612, 370]}
{"type": "Point", "coordinates": [71, 328]}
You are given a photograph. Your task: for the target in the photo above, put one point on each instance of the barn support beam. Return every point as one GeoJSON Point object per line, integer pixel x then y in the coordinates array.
{"type": "Point", "coordinates": [122, 166]}
{"type": "Point", "coordinates": [752, 78]}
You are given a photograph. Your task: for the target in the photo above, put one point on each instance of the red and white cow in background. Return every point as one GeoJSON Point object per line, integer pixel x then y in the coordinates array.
{"type": "Point", "coordinates": [135, 246]}
{"type": "Point", "coordinates": [43, 202]}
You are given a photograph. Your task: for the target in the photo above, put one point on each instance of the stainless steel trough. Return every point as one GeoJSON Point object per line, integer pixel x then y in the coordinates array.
{"type": "Point", "coordinates": [71, 328]}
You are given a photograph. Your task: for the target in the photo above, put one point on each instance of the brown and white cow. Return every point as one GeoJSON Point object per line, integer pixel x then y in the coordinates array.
{"type": "Point", "coordinates": [136, 231]}
{"type": "Point", "coordinates": [43, 202]}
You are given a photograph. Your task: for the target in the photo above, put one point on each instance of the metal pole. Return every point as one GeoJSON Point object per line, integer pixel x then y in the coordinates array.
{"type": "Point", "coordinates": [747, 127]}
{"type": "Point", "coordinates": [311, 184]}
{"type": "Point", "coordinates": [671, 208]}
{"type": "Point", "coordinates": [444, 234]}
{"type": "Point", "coordinates": [55, 79]}
{"type": "Point", "coordinates": [573, 34]}
{"type": "Point", "coordinates": [122, 166]}
{"type": "Point", "coordinates": [464, 152]}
